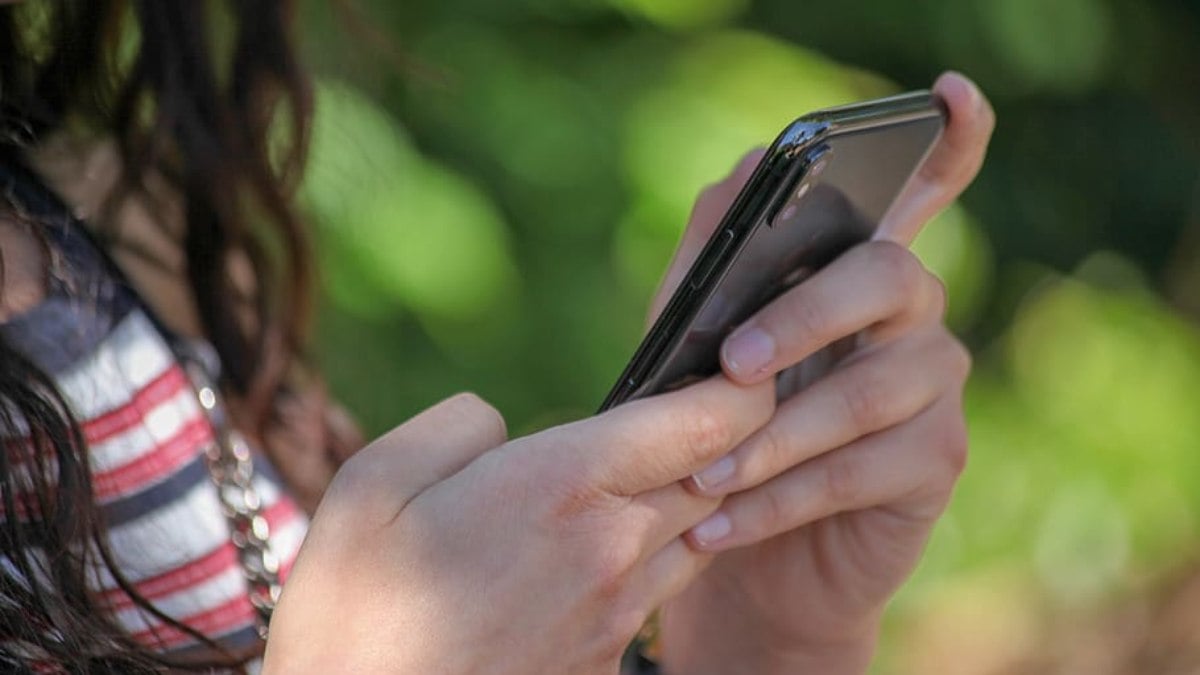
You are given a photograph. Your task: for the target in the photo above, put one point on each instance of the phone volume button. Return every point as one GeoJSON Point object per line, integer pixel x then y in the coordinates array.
{"type": "Point", "coordinates": [711, 261]}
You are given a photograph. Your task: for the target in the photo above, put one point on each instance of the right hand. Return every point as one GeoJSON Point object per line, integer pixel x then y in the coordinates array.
{"type": "Point", "coordinates": [442, 548]}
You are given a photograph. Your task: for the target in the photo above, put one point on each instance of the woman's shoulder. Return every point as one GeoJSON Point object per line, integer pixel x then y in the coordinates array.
{"type": "Point", "coordinates": [23, 272]}
{"type": "Point", "coordinates": [141, 230]}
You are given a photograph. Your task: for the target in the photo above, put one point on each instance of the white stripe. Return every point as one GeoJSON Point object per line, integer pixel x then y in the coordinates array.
{"type": "Point", "coordinates": [177, 533]}
{"type": "Point", "coordinates": [131, 357]}
{"type": "Point", "coordinates": [285, 542]}
{"type": "Point", "coordinates": [158, 425]}
{"type": "Point", "coordinates": [268, 491]}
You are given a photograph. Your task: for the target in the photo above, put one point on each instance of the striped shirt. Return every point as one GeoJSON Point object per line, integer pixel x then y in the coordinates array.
{"type": "Point", "coordinates": [146, 435]}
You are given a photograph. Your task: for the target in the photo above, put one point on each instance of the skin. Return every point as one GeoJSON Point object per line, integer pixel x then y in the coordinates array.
{"type": "Point", "coordinates": [22, 270]}
{"type": "Point", "coordinates": [441, 547]}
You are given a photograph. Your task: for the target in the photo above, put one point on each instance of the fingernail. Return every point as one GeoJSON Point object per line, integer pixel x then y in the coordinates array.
{"type": "Point", "coordinates": [957, 81]}
{"type": "Point", "coordinates": [714, 474]}
{"type": "Point", "coordinates": [717, 527]}
{"type": "Point", "coordinates": [749, 352]}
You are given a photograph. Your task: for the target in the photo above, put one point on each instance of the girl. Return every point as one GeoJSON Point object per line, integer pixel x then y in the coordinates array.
{"type": "Point", "coordinates": [164, 437]}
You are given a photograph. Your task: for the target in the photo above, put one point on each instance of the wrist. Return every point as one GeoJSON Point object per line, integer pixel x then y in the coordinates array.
{"type": "Point", "coordinates": [840, 659]}
{"type": "Point", "coordinates": [745, 650]}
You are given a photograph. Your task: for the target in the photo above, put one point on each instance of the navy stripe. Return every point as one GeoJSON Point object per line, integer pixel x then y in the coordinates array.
{"type": "Point", "coordinates": [138, 504]}
{"type": "Point", "coordinates": [85, 300]}
{"type": "Point", "coordinates": [240, 641]}
{"type": "Point", "coordinates": [60, 332]}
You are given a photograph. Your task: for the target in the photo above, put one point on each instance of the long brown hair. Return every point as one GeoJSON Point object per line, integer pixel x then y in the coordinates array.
{"type": "Point", "coordinates": [227, 130]}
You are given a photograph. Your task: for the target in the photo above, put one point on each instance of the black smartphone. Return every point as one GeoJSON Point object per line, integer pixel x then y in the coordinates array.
{"type": "Point", "coordinates": [822, 187]}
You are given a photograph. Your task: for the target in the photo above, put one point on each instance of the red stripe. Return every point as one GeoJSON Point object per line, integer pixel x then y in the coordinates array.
{"type": "Point", "coordinates": [193, 573]}
{"type": "Point", "coordinates": [220, 620]}
{"type": "Point", "coordinates": [163, 459]}
{"type": "Point", "coordinates": [281, 513]}
{"type": "Point", "coordinates": [119, 420]}
{"type": "Point", "coordinates": [115, 422]}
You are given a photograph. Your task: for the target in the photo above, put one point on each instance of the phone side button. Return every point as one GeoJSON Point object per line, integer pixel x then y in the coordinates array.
{"type": "Point", "coordinates": [718, 254]}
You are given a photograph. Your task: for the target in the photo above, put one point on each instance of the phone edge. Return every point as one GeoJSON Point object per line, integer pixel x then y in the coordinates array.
{"type": "Point", "coordinates": [789, 147]}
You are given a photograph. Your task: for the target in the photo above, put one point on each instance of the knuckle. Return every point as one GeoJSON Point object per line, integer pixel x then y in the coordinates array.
{"type": "Point", "coordinates": [774, 510]}
{"type": "Point", "coordinates": [960, 357]}
{"type": "Point", "coordinates": [570, 506]}
{"type": "Point", "coordinates": [569, 503]}
{"type": "Point", "coordinates": [808, 319]}
{"type": "Point", "coordinates": [949, 354]}
{"type": "Point", "coordinates": [358, 494]}
{"type": "Point", "coordinates": [772, 450]}
{"type": "Point", "coordinates": [477, 411]}
{"type": "Point", "coordinates": [351, 480]}
{"type": "Point", "coordinates": [953, 447]}
{"type": "Point", "coordinates": [704, 431]}
{"type": "Point", "coordinates": [900, 269]}
{"type": "Point", "coordinates": [842, 479]}
{"type": "Point", "coordinates": [864, 401]}
{"type": "Point", "coordinates": [941, 295]}
{"type": "Point", "coordinates": [614, 564]}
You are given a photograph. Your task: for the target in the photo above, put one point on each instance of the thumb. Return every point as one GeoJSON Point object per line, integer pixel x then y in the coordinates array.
{"type": "Point", "coordinates": [377, 483]}
{"type": "Point", "coordinates": [950, 167]}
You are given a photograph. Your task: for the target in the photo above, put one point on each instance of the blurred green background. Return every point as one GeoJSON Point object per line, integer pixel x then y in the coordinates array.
{"type": "Point", "coordinates": [498, 186]}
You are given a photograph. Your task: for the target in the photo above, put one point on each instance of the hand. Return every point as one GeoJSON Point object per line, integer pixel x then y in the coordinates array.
{"type": "Point", "coordinates": [442, 548]}
{"type": "Point", "coordinates": [830, 504]}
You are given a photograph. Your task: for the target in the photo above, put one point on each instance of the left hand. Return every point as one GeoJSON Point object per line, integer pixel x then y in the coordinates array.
{"type": "Point", "coordinates": [831, 503]}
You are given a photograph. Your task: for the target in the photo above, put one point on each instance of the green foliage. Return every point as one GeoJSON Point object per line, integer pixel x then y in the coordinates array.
{"type": "Point", "coordinates": [399, 229]}
{"type": "Point", "coordinates": [683, 13]}
{"type": "Point", "coordinates": [1029, 35]}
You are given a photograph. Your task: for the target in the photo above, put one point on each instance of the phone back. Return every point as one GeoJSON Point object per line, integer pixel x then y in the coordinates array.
{"type": "Point", "coordinates": [830, 190]}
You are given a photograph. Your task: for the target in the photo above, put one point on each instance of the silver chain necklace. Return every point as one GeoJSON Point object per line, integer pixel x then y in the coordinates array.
{"type": "Point", "coordinates": [231, 468]}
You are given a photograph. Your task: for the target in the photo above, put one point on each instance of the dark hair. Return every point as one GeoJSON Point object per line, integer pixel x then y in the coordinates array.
{"type": "Point", "coordinates": [227, 130]}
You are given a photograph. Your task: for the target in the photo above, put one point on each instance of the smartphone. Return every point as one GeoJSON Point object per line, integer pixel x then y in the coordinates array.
{"type": "Point", "coordinates": [822, 187]}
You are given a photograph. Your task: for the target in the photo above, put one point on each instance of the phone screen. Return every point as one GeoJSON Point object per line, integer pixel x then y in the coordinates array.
{"type": "Point", "coordinates": [834, 198]}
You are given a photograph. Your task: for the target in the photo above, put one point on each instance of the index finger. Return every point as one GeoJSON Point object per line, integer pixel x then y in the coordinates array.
{"type": "Point", "coordinates": [652, 442]}
{"type": "Point", "coordinates": [951, 166]}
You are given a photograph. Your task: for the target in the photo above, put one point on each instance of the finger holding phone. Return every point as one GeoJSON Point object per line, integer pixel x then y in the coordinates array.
{"type": "Point", "coordinates": [444, 548]}
{"type": "Point", "coordinates": [828, 507]}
